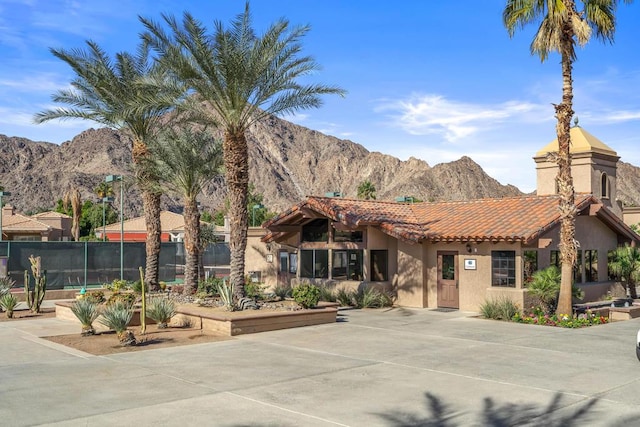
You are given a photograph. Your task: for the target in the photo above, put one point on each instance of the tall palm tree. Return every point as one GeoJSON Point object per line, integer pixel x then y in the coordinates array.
{"type": "Point", "coordinates": [242, 78]}
{"type": "Point", "coordinates": [71, 198]}
{"type": "Point", "coordinates": [186, 160]}
{"type": "Point", "coordinates": [366, 191]}
{"type": "Point", "coordinates": [561, 27]}
{"type": "Point", "coordinates": [116, 93]}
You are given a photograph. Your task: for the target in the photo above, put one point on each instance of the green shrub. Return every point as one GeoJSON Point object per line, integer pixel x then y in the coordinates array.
{"type": "Point", "coordinates": [346, 298]}
{"type": "Point", "coordinates": [161, 310]}
{"type": "Point", "coordinates": [306, 294]}
{"type": "Point", "coordinates": [137, 287]}
{"type": "Point", "coordinates": [326, 294]}
{"type": "Point", "coordinates": [127, 298]}
{"type": "Point", "coordinates": [369, 297]}
{"type": "Point", "coordinates": [502, 308]}
{"type": "Point", "coordinates": [209, 286]}
{"type": "Point", "coordinates": [87, 312]}
{"type": "Point", "coordinates": [118, 285]}
{"type": "Point", "coordinates": [8, 303]}
{"type": "Point", "coordinates": [254, 290]}
{"type": "Point", "coordinates": [282, 291]}
{"type": "Point", "coordinates": [96, 297]}
{"type": "Point", "coordinates": [545, 285]}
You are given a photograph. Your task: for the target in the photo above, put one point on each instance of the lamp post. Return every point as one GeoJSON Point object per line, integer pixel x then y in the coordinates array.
{"type": "Point", "coordinates": [110, 179]}
{"type": "Point", "coordinates": [253, 211]}
{"type": "Point", "coordinates": [2, 194]}
{"type": "Point", "coordinates": [104, 217]}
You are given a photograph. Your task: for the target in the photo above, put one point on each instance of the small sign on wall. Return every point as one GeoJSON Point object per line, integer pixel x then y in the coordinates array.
{"type": "Point", "coordinates": [469, 264]}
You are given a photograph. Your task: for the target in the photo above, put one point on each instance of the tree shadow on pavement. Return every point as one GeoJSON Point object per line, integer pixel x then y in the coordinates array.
{"type": "Point", "coordinates": [440, 414]}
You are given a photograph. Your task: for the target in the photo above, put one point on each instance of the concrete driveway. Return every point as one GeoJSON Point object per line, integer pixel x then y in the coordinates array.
{"type": "Point", "coordinates": [395, 367]}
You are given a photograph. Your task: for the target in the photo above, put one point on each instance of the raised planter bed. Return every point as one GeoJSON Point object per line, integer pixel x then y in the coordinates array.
{"type": "Point", "coordinates": [230, 323]}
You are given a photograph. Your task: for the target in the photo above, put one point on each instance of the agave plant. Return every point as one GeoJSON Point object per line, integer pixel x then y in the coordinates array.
{"type": "Point", "coordinates": [8, 302]}
{"type": "Point", "coordinates": [5, 285]}
{"type": "Point", "coordinates": [161, 310]}
{"type": "Point", "coordinates": [87, 312]}
{"type": "Point", "coordinates": [117, 317]}
{"type": "Point", "coordinates": [225, 290]}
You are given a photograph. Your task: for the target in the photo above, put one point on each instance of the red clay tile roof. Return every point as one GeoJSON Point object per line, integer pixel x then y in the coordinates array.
{"type": "Point", "coordinates": [507, 219]}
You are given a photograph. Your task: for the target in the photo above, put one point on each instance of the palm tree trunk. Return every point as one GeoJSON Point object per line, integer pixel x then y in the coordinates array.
{"type": "Point", "coordinates": [151, 205]}
{"type": "Point", "coordinates": [564, 113]}
{"type": "Point", "coordinates": [236, 163]}
{"type": "Point", "coordinates": [191, 245]}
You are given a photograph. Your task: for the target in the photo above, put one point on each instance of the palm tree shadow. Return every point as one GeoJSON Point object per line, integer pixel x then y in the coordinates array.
{"type": "Point", "coordinates": [439, 414]}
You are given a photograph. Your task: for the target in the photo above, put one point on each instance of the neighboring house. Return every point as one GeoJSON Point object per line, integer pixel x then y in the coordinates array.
{"type": "Point", "coordinates": [46, 226]}
{"type": "Point", "coordinates": [455, 254]}
{"type": "Point", "coordinates": [134, 230]}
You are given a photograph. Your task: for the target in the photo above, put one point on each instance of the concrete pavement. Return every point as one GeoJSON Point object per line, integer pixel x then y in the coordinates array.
{"type": "Point", "coordinates": [394, 367]}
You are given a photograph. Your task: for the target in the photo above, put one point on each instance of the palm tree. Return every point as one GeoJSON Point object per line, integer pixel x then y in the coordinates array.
{"type": "Point", "coordinates": [116, 93]}
{"type": "Point", "coordinates": [103, 190]}
{"type": "Point", "coordinates": [561, 27]}
{"type": "Point", "coordinates": [366, 191]}
{"type": "Point", "coordinates": [240, 78]}
{"type": "Point", "coordinates": [72, 198]}
{"type": "Point", "coordinates": [625, 265]}
{"type": "Point", "coordinates": [186, 161]}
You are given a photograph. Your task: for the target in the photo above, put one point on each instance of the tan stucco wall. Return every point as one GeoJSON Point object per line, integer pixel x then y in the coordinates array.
{"type": "Point", "coordinates": [256, 257]}
{"type": "Point", "coordinates": [408, 281]}
{"type": "Point", "coordinates": [631, 215]}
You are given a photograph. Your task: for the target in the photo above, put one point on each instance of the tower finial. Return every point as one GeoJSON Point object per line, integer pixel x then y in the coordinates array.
{"type": "Point", "coordinates": [575, 122]}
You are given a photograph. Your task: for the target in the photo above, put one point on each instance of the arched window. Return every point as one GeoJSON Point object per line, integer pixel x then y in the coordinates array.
{"type": "Point", "coordinates": [604, 186]}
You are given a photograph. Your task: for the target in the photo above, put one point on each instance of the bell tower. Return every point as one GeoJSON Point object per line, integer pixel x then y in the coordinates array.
{"type": "Point", "coordinates": [593, 168]}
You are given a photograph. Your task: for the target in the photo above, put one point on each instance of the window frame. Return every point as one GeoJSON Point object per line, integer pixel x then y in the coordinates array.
{"type": "Point", "coordinates": [498, 259]}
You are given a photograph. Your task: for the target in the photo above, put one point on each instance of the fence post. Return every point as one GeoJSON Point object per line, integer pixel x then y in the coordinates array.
{"type": "Point", "coordinates": [86, 257]}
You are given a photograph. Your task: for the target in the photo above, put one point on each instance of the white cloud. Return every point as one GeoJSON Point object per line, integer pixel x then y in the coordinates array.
{"type": "Point", "coordinates": [434, 114]}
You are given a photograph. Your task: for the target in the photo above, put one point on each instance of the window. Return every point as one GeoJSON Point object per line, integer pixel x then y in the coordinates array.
{"type": "Point", "coordinates": [379, 263]}
{"type": "Point", "coordinates": [316, 231]}
{"type": "Point", "coordinates": [314, 264]}
{"type": "Point", "coordinates": [604, 186]}
{"type": "Point", "coordinates": [347, 236]}
{"type": "Point", "coordinates": [530, 265]}
{"type": "Point", "coordinates": [346, 265]}
{"type": "Point", "coordinates": [284, 262]}
{"type": "Point", "coordinates": [503, 268]}
{"type": "Point", "coordinates": [555, 259]}
{"type": "Point", "coordinates": [591, 265]}
{"type": "Point", "coordinates": [293, 263]}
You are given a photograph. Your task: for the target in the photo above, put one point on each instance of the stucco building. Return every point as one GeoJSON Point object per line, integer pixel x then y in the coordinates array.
{"type": "Point", "coordinates": [455, 254]}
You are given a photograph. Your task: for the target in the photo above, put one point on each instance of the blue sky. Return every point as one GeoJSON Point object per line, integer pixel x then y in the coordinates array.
{"type": "Point", "coordinates": [436, 80]}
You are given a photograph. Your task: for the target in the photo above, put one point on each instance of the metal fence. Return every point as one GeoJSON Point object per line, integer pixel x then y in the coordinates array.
{"type": "Point", "coordinates": [77, 264]}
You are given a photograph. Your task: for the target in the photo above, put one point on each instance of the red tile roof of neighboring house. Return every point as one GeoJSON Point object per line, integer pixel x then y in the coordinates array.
{"type": "Point", "coordinates": [507, 219]}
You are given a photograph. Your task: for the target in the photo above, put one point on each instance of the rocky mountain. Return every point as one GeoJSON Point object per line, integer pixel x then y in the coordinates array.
{"type": "Point", "coordinates": [287, 163]}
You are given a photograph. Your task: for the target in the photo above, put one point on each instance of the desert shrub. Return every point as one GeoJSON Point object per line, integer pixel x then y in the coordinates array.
{"type": "Point", "coordinates": [346, 298]}
{"type": "Point", "coordinates": [306, 294]}
{"type": "Point", "coordinates": [117, 316]}
{"type": "Point", "coordinates": [225, 290]}
{"type": "Point", "coordinates": [161, 310]}
{"type": "Point", "coordinates": [254, 290]}
{"type": "Point", "coordinates": [96, 297]}
{"type": "Point", "coordinates": [326, 294]}
{"type": "Point", "coordinates": [137, 287]}
{"type": "Point", "coordinates": [209, 287]}
{"type": "Point", "coordinates": [5, 285]}
{"type": "Point", "coordinates": [8, 303]}
{"type": "Point", "coordinates": [177, 289]}
{"type": "Point", "coordinates": [501, 308]}
{"type": "Point", "coordinates": [87, 312]}
{"type": "Point", "coordinates": [282, 291]}
{"type": "Point", "coordinates": [118, 285]}
{"type": "Point", "coordinates": [127, 298]}
{"type": "Point", "coordinates": [369, 297]}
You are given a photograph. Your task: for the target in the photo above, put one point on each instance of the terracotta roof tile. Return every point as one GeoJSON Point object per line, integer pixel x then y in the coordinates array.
{"type": "Point", "coordinates": [505, 219]}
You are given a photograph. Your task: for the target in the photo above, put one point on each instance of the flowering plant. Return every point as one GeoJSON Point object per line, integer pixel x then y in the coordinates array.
{"type": "Point", "coordinates": [562, 320]}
